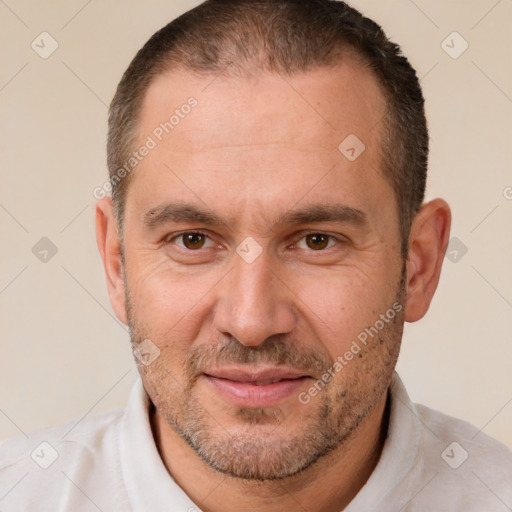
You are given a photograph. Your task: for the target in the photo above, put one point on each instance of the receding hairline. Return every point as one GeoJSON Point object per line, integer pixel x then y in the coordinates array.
{"type": "Point", "coordinates": [172, 71]}
{"type": "Point", "coordinates": [175, 70]}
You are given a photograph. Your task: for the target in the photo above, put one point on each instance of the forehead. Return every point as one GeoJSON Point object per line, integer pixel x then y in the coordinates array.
{"type": "Point", "coordinates": [265, 135]}
{"type": "Point", "coordinates": [328, 101]}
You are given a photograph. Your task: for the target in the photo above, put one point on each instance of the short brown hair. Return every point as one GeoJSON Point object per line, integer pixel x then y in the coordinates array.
{"type": "Point", "coordinates": [285, 36]}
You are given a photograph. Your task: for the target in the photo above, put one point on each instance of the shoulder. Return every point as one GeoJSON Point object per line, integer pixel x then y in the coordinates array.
{"type": "Point", "coordinates": [464, 466]}
{"type": "Point", "coordinates": [88, 432]}
{"type": "Point", "coordinates": [69, 465]}
{"type": "Point", "coordinates": [449, 429]}
{"type": "Point", "coordinates": [439, 430]}
{"type": "Point", "coordinates": [441, 462]}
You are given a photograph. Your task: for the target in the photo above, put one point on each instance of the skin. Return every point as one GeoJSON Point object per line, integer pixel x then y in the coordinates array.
{"type": "Point", "coordinates": [252, 151]}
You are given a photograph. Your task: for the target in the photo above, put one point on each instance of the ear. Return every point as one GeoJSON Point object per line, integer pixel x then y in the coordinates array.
{"type": "Point", "coordinates": [109, 246]}
{"type": "Point", "coordinates": [428, 240]}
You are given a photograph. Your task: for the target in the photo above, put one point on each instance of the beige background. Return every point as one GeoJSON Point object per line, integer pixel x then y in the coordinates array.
{"type": "Point", "coordinates": [64, 355]}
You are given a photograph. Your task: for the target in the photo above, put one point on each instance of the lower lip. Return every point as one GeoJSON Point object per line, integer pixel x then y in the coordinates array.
{"type": "Point", "coordinates": [245, 394]}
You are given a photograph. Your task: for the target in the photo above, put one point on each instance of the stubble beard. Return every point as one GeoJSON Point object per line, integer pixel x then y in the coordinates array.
{"type": "Point", "coordinates": [264, 448]}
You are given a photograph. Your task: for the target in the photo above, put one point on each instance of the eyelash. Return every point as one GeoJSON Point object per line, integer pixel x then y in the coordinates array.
{"type": "Point", "coordinates": [170, 239]}
{"type": "Point", "coordinates": [337, 240]}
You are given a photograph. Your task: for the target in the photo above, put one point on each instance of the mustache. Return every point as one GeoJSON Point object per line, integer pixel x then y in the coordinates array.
{"type": "Point", "coordinates": [274, 351]}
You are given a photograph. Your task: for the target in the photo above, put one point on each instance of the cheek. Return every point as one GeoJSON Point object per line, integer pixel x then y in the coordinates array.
{"type": "Point", "coordinates": [169, 305]}
{"type": "Point", "coordinates": [339, 307]}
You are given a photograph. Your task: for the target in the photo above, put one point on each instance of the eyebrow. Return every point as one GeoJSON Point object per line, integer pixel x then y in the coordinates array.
{"type": "Point", "coordinates": [325, 213]}
{"type": "Point", "coordinates": [185, 213]}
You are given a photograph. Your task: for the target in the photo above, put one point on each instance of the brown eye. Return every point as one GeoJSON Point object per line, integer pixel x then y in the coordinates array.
{"type": "Point", "coordinates": [193, 240]}
{"type": "Point", "coordinates": [317, 241]}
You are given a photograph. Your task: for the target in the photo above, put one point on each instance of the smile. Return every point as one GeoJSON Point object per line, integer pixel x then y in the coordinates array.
{"type": "Point", "coordinates": [265, 388]}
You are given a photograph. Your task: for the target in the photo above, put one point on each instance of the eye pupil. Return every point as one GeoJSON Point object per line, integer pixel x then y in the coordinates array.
{"type": "Point", "coordinates": [317, 241]}
{"type": "Point", "coordinates": [193, 240]}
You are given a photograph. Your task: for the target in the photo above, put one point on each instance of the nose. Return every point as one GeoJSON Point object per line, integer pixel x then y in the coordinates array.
{"type": "Point", "coordinates": [254, 303]}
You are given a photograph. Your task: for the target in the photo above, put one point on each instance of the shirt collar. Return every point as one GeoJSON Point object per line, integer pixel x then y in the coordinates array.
{"type": "Point", "coordinates": [148, 483]}
{"type": "Point", "coordinates": [400, 460]}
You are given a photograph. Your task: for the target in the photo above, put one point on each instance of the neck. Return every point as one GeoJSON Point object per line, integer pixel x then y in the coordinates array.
{"type": "Point", "coordinates": [329, 485]}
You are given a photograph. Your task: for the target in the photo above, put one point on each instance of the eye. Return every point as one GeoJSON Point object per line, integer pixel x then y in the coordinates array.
{"type": "Point", "coordinates": [192, 240]}
{"type": "Point", "coordinates": [316, 241]}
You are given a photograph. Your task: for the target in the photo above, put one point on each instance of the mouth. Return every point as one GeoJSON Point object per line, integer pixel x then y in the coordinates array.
{"type": "Point", "coordinates": [258, 388]}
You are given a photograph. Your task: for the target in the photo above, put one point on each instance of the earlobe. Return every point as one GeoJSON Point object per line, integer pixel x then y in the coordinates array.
{"type": "Point", "coordinates": [109, 246]}
{"type": "Point", "coordinates": [428, 240]}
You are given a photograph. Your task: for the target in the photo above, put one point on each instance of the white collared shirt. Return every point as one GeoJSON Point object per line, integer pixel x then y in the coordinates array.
{"type": "Point", "coordinates": [109, 462]}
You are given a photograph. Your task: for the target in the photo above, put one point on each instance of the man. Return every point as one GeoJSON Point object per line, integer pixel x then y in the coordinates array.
{"type": "Point", "coordinates": [265, 242]}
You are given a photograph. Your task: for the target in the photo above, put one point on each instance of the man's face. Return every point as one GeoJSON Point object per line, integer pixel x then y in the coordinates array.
{"type": "Point", "coordinates": [256, 253]}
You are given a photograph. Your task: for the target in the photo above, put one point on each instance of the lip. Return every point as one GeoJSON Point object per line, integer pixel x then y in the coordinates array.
{"type": "Point", "coordinates": [256, 389]}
